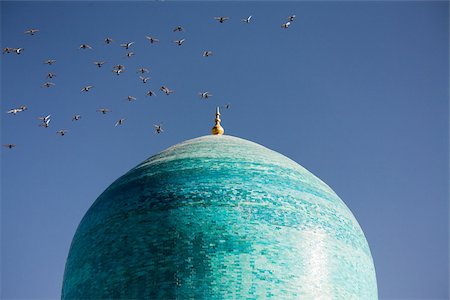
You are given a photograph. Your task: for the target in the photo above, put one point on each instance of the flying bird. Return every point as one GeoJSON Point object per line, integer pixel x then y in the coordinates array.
{"type": "Point", "coordinates": [99, 63]}
{"type": "Point", "coordinates": [151, 93]}
{"type": "Point", "coordinates": [226, 106]}
{"type": "Point", "coordinates": [207, 53]}
{"type": "Point", "coordinates": [118, 71]}
{"type": "Point", "coordinates": [51, 75]}
{"type": "Point", "coordinates": [108, 40]}
{"type": "Point", "coordinates": [103, 110]}
{"type": "Point", "coordinates": [144, 79]}
{"type": "Point", "coordinates": [85, 46]}
{"type": "Point", "coordinates": [179, 42]}
{"type": "Point", "coordinates": [286, 25]}
{"type": "Point", "coordinates": [23, 107]}
{"type": "Point", "coordinates": [205, 95]}
{"type": "Point", "coordinates": [178, 28]}
{"type": "Point", "coordinates": [119, 67]}
{"type": "Point", "coordinates": [8, 50]}
{"type": "Point", "coordinates": [142, 70]}
{"type": "Point", "coordinates": [166, 90]}
{"type": "Point", "coordinates": [127, 45]}
{"type": "Point", "coordinates": [44, 119]}
{"type": "Point", "coordinates": [221, 19]}
{"type": "Point", "coordinates": [31, 31]}
{"type": "Point", "coordinates": [48, 84]}
{"type": "Point", "coordinates": [152, 40]}
{"type": "Point", "coordinates": [291, 18]}
{"type": "Point", "coordinates": [158, 128]}
{"type": "Point", "coordinates": [119, 122]}
{"type": "Point", "coordinates": [14, 111]}
{"type": "Point", "coordinates": [45, 123]}
{"type": "Point", "coordinates": [131, 98]}
{"type": "Point", "coordinates": [247, 20]}
{"type": "Point", "coordinates": [76, 117]}
{"type": "Point", "coordinates": [62, 132]}
{"type": "Point", "coordinates": [18, 50]}
{"type": "Point", "coordinates": [10, 146]}
{"type": "Point", "coordinates": [50, 61]}
{"type": "Point", "coordinates": [87, 88]}
{"type": "Point", "coordinates": [130, 54]}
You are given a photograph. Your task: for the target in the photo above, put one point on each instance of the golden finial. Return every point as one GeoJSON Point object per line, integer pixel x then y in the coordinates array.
{"type": "Point", "coordinates": [217, 129]}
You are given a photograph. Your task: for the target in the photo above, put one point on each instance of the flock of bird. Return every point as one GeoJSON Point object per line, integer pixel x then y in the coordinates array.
{"type": "Point", "coordinates": [119, 69]}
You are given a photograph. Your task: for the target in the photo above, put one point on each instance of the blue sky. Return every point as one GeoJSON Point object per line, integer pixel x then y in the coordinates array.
{"type": "Point", "coordinates": [356, 92]}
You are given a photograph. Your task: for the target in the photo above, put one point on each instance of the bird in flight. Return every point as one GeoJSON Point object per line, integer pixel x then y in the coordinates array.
{"type": "Point", "coordinates": [131, 98]}
{"type": "Point", "coordinates": [291, 18]}
{"type": "Point", "coordinates": [130, 54]}
{"type": "Point", "coordinates": [48, 84]}
{"type": "Point", "coordinates": [8, 50]}
{"type": "Point", "coordinates": [51, 75]}
{"type": "Point", "coordinates": [31, 31]}
{"type": "Point", "coordinates": [166, 90]}
{"type": "Point", "coordinates": [221, 19]}
{"type": "Point", "coordinates": [108, 40]}
{"type": "Point", "coordinates": [62, 132]}
{"type": "Point", "coordinates": [76, 117]}
{"type": "Point", "coordinates": [119, 122]}
{"type": "Point", "coordinates": [247, 20]}
{"type": "Point", "coordinates": [142, 70]}
{"type": "Point", "coordinates": [207, 53]}
{"type": "Point", "coordinates": [99, 63]}
{"type": "Point", "coordinates": [152, 40]}
{"type": "Point", "coordinates": [119, 67]}
{"type": "Point", "coordinates": [179, 42]}
{"type": "Point", "coordinates": [44, 119]}
{"type": "Point", "coordinates": [118, 71]}
{"type": "Point", "coordinates": [151, 93]}
{"type": "Point", "coordinates": [50, 61]}
{"type": "Point", "coordinates": [14, 111]}
{"type": "Point", "coordinates": [10, 146]}
{"type": "Point", "coordinates": [103, 110]}
{"type": "Point", "coordinates": [87, 88]}
{"type": "Point", "coordinates": [178, 28]}
{"type": "Point", "coordinates": [226, 106]}
{"type": "Point", "coordinates": [158, 128]}
{"type": "Point", "coordinates": [144, 79]}
{"type": "Point", "coordinates": [85, 46]}
{"type": "Point", "coordinates": [127, 45]}
{"type": "Point", "coordinates": [205, 95]}
{"type": "Point", "coordinates": [45, 123]}
{"type": "Point", "coordinates": [18, 50]}
{"type": "Point", "coordinates": [286, 25]}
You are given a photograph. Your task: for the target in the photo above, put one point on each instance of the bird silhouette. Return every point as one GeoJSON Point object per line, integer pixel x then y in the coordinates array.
{"type": "Point", "coordinates": [221, 19]}
{"type": "Point", "coordinates": [31, 31]}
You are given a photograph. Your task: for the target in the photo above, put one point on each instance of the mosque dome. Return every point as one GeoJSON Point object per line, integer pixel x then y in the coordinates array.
{"type": "Point", "coordinates": [219, 217]}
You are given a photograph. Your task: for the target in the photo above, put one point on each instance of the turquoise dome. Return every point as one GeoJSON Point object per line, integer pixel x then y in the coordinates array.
{"type": "Point", "coordinates": [219, 217]}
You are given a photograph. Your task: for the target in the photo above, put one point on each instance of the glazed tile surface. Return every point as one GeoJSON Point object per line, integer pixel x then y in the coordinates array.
{"type": "Point", "coordinates": [219, 217]}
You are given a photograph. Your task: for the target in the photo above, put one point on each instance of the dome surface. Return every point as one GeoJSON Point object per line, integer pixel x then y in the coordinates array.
{"type": "Point", "coordinates": [219, 217]}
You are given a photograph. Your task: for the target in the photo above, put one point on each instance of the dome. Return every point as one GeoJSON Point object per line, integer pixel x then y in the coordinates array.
{"type": "Point", "coordinates": [219, 217]}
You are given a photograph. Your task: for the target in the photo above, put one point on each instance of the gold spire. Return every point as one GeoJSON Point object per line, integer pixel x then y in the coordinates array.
{"type": "Point", "coordinates": [217, 129]}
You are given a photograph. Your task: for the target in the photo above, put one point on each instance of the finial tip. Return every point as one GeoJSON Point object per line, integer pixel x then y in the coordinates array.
{"type": "Point", "coordinates": [217, 129]}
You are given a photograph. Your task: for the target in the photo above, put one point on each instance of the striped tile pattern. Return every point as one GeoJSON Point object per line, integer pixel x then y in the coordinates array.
{"type": "Point", "coordinates": [219, 217]}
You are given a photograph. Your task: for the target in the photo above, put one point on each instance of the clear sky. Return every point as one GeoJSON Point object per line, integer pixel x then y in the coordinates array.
{"type": "Point", "coordinates": [356, 92]}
